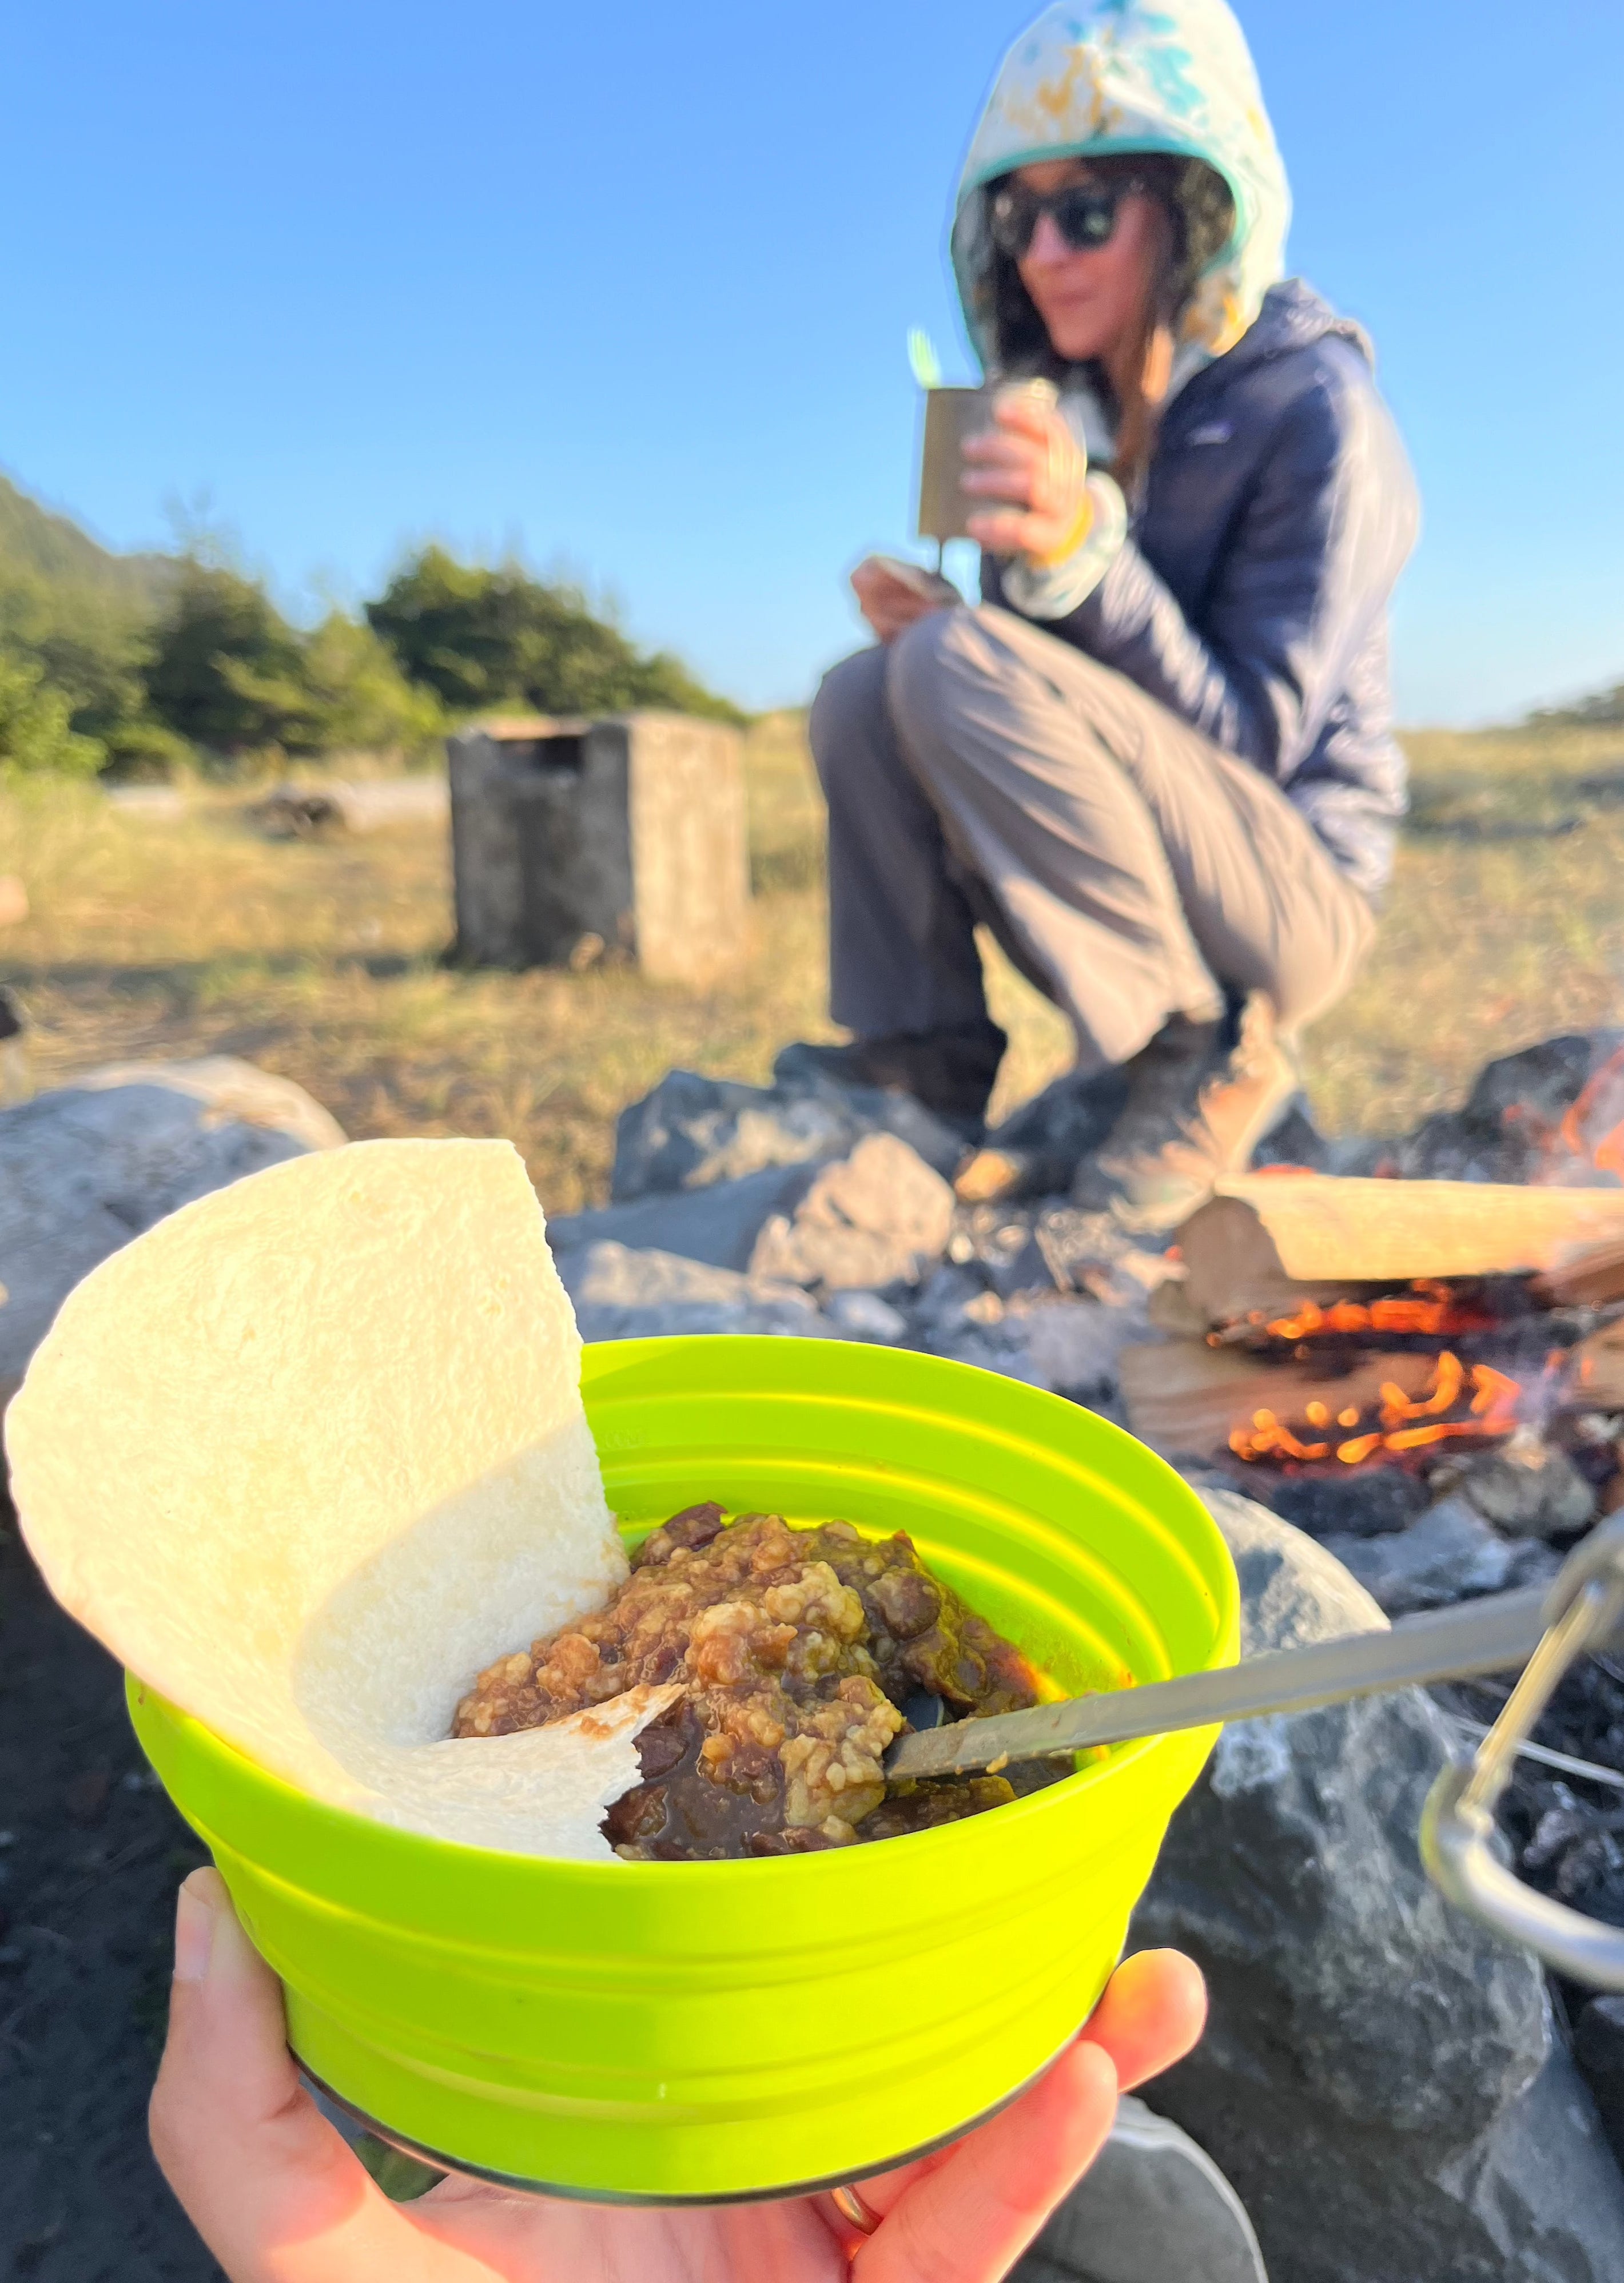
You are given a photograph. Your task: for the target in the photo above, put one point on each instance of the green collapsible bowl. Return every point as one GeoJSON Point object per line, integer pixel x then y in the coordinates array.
{"type": "Point", "coordinates": [666, 2032]}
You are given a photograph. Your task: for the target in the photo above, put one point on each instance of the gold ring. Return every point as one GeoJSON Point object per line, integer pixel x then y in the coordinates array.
{"type": "Point", "coordinates": [853, 2210]}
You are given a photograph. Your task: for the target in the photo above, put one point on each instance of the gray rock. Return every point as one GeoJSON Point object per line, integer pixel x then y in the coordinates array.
{"type": "Point", "coordinates": [858, 1315]}
{"type": "Point", "coordinates": [880, 1216]}
{"type": "Point", "coordinates": [1000, 1243]}
{"type": "Point", "coordinates": [1449, 1555]}
{"type": "Point", "coordinates": [719, 1224]}
{"type": "Point", "coordinates": [87, 1167]}
{"type": "Point", "coordinates": [1068, 1347]}
{"type": "Point", "coordinates": [940, 1309]}
{"type": "Point", "coordinates": [299, 812]}
{"type": "Point", "coordinates": [1510, 1126]}
{"type": "Point", "coordinates": [622, 1295]}
{"type": "Point", "coordinates": [1152, 2208]}
{"type": "Point", "coordinates": [1598, 2050]}
{"type": "Point", "coordinates": [1090, 1253]}
{"type": "Point", "coordinates": [1378, 2078]}
{"type": "Point", "coordinates": [692, 1132]}
{"type": "Point", "coordinates": [1355, 1502]}
{"type": "Point", "coordinates": [1072, 1345]}
{"type": "Point", "coordinates": [1528, 1489]}
{"type": "Point", "coordinates": [1541, 2196]}
{"type": "Point", "coordinates": [1045, 1142]}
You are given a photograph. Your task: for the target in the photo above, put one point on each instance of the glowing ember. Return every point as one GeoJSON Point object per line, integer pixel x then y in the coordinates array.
{"type": "Point", "coordinates": [1472, 1401]}
{"type": "Point", "coordinates": [1427, 1311]}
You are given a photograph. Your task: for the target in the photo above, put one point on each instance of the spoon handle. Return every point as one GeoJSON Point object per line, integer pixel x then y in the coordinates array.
{"type": "Point", "coordinates": [1490, 1635]}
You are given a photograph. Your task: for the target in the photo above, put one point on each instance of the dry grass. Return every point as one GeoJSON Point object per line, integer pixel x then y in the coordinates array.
{"type": "Point", "coordinates": [320, 960]}
{"type": "Point", "coordinates": [1503, 925]}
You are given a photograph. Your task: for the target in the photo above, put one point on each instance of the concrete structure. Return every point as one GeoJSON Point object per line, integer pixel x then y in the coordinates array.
{"type": "Point", "coordinates": [571, 838]}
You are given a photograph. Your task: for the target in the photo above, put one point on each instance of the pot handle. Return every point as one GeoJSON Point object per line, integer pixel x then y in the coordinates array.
{"type": "Point", "coordinates": [1462, 1851]}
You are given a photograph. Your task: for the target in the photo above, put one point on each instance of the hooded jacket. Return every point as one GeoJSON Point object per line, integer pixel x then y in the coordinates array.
{"type": "Point", "coordinates": [1247, 591]}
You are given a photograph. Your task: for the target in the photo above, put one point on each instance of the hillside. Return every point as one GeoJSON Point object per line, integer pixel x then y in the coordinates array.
{"type": "Point", "coordinates": [143, 664]}
{"type": "Point", "coordinates": [53, 547]}
{"type": "Point", "coordinates": [1605, 710]}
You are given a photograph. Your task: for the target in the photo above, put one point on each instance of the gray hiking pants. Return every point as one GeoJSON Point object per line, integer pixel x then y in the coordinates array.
{"type": "Point", "coordinates": [978, 768]}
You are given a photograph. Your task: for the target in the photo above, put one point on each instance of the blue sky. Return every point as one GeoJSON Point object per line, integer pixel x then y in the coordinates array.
{"type": "Point", "coordinates": [629, 286]}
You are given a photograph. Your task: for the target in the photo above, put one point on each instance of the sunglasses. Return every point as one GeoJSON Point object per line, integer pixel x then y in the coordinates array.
{"type": "Point", "coordinates": [1083, 214]}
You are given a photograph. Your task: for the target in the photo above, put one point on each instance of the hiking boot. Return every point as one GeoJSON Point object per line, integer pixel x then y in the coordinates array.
{"type": "Point", "coordinates": [949, 1072]}
{"type": "Point", "coordinates": [1195, 1112]}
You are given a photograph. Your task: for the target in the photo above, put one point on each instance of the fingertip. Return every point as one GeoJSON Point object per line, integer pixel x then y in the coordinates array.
{"type": "Point", "coordinates": [1174, 1982]}
{"type": "Point", "coordinates": [1153, 2012]}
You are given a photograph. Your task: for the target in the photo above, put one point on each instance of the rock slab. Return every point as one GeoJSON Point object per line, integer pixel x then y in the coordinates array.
{"type": "Point", "coordinates": [1377, 2079]}
{"type": "Point", "coordinates": [1446, 1555]}
{"type": "Point", "coordinates": [692, 1132]}
{"type": "Point", "coordinates": [876, 1217]}
{"type": "Point", "coordinates": [87, 1167]}
{"type": "Point", "coordinates": [717, 1224]}
{"type": "Point", "coordinates": [621, 1295]}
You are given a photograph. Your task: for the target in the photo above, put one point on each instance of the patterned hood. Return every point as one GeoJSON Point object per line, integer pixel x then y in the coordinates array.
{"type": "Point", "coordinates": [1097, 78]}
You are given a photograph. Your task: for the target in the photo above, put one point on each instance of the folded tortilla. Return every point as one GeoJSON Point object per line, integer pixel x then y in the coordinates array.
{"type": "Point", "coordinates": [310, 1453]}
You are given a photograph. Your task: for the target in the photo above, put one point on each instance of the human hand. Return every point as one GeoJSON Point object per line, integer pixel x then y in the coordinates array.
{"type": "Point", "coordinates": [1030, 458]}
{"type": "Point", "coordinates": [279, 2198]}
{"type": "Point", "coordinates": [892, 596]}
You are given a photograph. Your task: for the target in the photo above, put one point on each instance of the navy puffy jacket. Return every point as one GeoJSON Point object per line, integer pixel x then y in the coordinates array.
{"type": "Point", "coordinates": [1251, 596]}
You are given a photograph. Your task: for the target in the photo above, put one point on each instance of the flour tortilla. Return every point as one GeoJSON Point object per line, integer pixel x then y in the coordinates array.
{"type": "Point", "coordinates": [310, 1453]}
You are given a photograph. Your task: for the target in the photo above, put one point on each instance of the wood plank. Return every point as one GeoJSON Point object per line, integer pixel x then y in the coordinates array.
{"type": "Point", "coordinates": [1263, 1241]}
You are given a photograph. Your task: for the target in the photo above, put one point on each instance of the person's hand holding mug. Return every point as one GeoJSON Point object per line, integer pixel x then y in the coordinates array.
{"type": "Point", "coordinates": [1030, 460]}
{"type": "Point", "coordinates": [279, 2197]}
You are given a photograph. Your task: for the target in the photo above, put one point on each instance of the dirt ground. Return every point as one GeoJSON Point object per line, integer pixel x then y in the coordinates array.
{"type": "Point", "coordinates": [93, 1853]}
{"type": "Point", "coordinates": [151, 937]}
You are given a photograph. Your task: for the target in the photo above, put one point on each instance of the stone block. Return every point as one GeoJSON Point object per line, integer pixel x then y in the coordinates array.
{"type": "Point", "coordinates": [573, 838]}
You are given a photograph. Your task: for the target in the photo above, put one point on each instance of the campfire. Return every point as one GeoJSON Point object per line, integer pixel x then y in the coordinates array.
{"type": "Point", "coordinates": [1323, 1325]}
{"type": "Point", "coordinates": [1473, 1401]}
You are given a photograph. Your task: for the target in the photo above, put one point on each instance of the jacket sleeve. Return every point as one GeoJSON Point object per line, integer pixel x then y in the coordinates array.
{"type": "Point", "coordinates": [1318, 540]}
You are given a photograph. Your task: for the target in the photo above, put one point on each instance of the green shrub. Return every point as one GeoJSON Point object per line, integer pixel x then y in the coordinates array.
{"type": "Point", "coordinates": [358, 698]}
{"type": "Point", "coordinates": [36, 733]}
{"type": "Point", "coordinates": [226, 669]}
{"type": "Point", "coordinates": [481, 638]}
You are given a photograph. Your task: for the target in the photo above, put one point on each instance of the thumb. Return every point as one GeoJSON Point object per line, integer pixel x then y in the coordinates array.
{"type": "Point", "coordinates": [267, 2183]}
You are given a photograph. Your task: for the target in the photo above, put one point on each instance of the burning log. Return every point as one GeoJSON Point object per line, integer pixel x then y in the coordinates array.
{"type": "Point", "coordinates": [1269, 1243]}
{"type": "Point", "coordinates": [1596, 1369]}
{"type": "Point", "coordinates": [1428, 1310]}
{"type": "Point", "coordinates": [1202, 1402]}
{"type": "Point", "coordinates": [1592, 1276]}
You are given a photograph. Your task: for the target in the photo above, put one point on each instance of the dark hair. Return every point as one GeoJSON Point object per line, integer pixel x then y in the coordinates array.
{"type": "Point", "coordinates": [1199, 215]}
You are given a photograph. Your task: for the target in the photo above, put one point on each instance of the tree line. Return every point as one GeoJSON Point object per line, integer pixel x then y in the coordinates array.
{"type": "Point", "coordinates": [134, 665]}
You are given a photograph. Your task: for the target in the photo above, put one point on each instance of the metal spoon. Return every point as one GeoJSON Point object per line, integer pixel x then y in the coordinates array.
{"type": "Point", "coordinates": [1491, 1635]}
